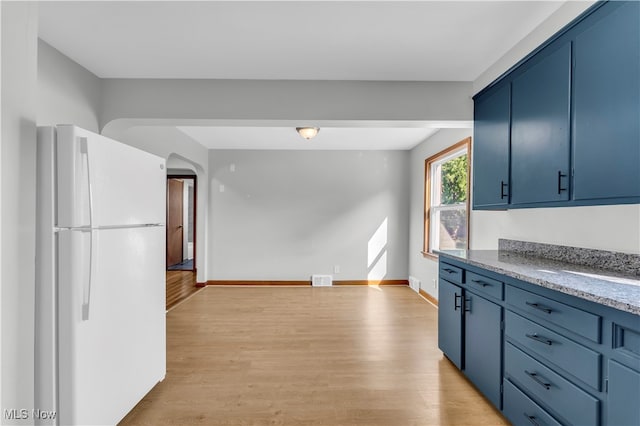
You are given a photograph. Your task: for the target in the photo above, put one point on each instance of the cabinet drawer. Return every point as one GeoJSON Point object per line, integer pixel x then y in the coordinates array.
{"type": "Point", "coordinates": [567, 354]}
{"type": "Point", "coordinates": [575, 320]}
{"type": "Point", "coordinates": [451, 273]}
{"type": "Point", "coordinates": [485, 285]}
{"type": "Point", "coordinates": [569, 401]}
{"type": "Point", "coordinates": [521, 410]}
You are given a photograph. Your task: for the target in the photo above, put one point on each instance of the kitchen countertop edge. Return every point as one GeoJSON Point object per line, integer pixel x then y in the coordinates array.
{"type": "Point", "coordinates": [553, 275]}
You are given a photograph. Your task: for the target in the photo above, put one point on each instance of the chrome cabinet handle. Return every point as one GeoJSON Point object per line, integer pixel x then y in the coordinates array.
{"type": "Point", "coordinates": [536, 379]}
{"type": "Point", "coordinates": [455, 301]}
{"type": "Point", "coordinates": [451, 271]}
{"type": "Point", "coordinates": [537, 338]}
{"type": "Point", "coordinates": [539, 307]}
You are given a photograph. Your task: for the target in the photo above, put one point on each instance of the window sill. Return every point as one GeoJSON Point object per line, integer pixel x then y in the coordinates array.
{"type": "Point", "coordinates": [428, 255]}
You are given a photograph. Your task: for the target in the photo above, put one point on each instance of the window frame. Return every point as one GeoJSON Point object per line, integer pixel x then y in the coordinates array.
{"type": "Point", "coordinates": [464, 144]}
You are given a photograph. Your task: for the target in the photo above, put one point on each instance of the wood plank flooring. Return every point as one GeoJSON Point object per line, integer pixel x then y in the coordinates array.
{"type": "Point", "coordinates": [308, 356]}
{"type": "Point", "coordinates": [180, 285]}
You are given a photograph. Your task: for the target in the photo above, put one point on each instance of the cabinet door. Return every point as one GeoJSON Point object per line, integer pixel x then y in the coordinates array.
{"type": "Point", "coordinates": [491, 148]}
{"type": "Point", "coordinates": [450, 321]}
{"type": "Point", "coordinates": [606, 105]}
{"type": "Point", "coordinates": [483, 346]}
{"type": "Point", "coordinates": [624, 394]}
{"type": "Point", "coordinates": [540, 143]}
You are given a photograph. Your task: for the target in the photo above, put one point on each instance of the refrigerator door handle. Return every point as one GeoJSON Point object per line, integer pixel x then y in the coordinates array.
{"type": "Point", "coordinates": [93, 266]}
{"type": "Point", "coordinates": [93, 253]}
{"type": "Point", "coordinates": [84, 150]}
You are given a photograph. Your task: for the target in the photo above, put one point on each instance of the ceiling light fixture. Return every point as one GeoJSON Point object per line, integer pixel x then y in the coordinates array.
{"type": "Point", "coordinates": [308, 132]}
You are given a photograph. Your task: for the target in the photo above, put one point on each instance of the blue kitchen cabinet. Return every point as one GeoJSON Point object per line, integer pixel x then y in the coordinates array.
{"type": "Point", "coordinates": [540, 142]}
{"type": "Point", "coordinates": [606, 104]}
{"type": "Point", "coordinates": [483, 345]}
{"type": "Point", "coordinates": [560, 359]}
{"type": "Point", "coordinates": [490, 164]}
{"type": "Point", "coordinates": [562, 127]}
{"type": "Point", "coordinates": [450, 321]}
{"type": "Point", "coordinates": [624, 384]}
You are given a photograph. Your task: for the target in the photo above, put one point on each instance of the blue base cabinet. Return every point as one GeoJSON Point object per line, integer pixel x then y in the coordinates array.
{"type": "Point", "coordinates": [450, 321]}
{"type": "Point", "coordinates": [470, 327]}
{"type": "Point", "coordinates": [541, 356]}
{"type": "Point", "coordinates": [561, 128]}
{"type": "Point", "coordinates": [483, 346]}
{"type": "Point", "coordinates": [624, 385]}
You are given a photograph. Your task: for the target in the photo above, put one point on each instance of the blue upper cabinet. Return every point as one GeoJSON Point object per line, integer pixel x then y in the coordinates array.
{"type": "Point", "coordinates": [606, 103]}
{"type": "Point", "coordinates": [562, 128]}
{"type": "Point", "coordinates": [491, 149]}
{"type": "Point", "coordinates": [540, 143]}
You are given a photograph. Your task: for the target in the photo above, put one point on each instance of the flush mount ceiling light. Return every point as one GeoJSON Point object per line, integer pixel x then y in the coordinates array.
{"type": "Point", "coordinates": [308, 132]}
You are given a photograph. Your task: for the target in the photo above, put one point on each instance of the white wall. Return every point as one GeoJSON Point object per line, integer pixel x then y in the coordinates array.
{"type": "Point", "coordinates": [179, 149]}
{"type": "Point", "coordinates": [425, 269]}
{"type": "Point", "coordinates": [561, 17]}
{"type": "Point", "coordinates": [67, 92]}
{"type": "Point", "coordinates": [19, 77]}
{"type": "Point", "coordinates": [285, 215]}
{"type": "Point", "coordinates": [285, 100]}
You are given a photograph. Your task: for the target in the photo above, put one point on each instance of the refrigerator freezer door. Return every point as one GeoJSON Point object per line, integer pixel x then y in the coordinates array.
{"type": "Point", "coordinates": [109, 360]}
{"type": "Point", "coordinates": [102, 182]}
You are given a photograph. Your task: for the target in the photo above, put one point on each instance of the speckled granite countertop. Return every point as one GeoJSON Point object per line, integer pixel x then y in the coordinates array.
{"type": "Point", "coordinates": [600, 285]}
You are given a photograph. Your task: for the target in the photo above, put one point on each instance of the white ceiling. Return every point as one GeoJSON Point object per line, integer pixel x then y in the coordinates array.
{"type": "Point", "coordinates": [307, 40]}
{"type": "Point", "coordinates": [332, 138]}
{"type": "Point", "coordinates": [299, 40]}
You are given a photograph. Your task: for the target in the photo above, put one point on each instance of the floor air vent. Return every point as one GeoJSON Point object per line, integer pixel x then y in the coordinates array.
{"type": "Point", "coordinates": [414, 283]}
{"type": "Point", "coordinates": [321, 280]}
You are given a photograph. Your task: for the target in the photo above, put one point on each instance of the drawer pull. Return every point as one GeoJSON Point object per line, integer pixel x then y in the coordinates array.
{"type": "Point", "coordinates": [537, 338]}
{"type": "Point", "coordinates": [482, 283]}
{"type": "Point", "coordinates": [539, 307]}
{"type": "Point", "coordinates": [532, 419]}
{"type": "Point", "coordinates": [535, 378]}
{"type": "Point", "coordinates": [450, 271]}
{"type": "Point", "coordinates": [455, 301]}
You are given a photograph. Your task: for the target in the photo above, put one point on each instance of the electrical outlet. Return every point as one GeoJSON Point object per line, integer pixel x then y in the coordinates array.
{"type": "Point", "coordinates": [336, 269]}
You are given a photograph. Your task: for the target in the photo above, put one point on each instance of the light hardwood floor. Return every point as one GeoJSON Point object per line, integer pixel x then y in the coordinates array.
{"type": "Point", "coordinates": [308, 356]}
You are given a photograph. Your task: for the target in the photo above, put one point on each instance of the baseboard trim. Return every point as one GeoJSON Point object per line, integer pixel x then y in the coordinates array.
{"type": "Point", "coordinates": [429, 297]}
{"type": "Point", "coordinates": [201, 284]}
{"type": "Point", "coordinates": [371, 282]}
{"type": "Point", "coordinates": [257, 282]}
{"type": "Point", "coordinates": [301, 283]}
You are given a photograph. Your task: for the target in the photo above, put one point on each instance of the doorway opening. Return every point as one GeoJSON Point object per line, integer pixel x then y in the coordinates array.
{"type": "Point", "coordinates": [181, 222]}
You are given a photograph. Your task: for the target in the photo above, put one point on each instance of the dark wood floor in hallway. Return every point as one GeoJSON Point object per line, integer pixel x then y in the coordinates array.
{"type": "Point", "coordinates": [180, 285]}
{"type": "Point", "coordinates": [308, 356]}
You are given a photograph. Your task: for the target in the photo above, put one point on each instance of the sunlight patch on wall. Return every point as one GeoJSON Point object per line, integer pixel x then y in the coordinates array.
{"type": "Point", "coordinates": [377, 254]}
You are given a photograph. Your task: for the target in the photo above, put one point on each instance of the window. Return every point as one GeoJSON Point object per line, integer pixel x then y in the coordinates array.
{"type": "Point", "coordinates": [446, 218]}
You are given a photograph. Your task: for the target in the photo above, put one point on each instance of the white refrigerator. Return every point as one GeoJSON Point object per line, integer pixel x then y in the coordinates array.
{"type": "Point", "coordinates": [100, 277]}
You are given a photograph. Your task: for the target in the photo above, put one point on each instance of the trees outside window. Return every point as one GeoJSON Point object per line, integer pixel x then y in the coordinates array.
{"type": "Point", "coordinates": [447, 199]}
